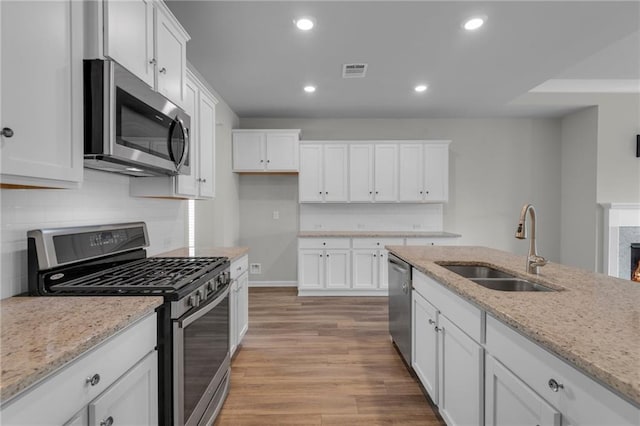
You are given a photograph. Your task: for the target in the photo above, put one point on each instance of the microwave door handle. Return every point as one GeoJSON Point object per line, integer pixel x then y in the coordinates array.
{"type": "Point", "coordinates": [185, 153]}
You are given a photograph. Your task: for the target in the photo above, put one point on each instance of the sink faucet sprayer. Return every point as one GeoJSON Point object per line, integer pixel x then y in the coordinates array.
{"type": "Point", "coordinates": [533, 259]}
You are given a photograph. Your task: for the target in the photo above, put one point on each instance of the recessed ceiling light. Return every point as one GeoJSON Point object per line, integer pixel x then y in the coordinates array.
{"type": "Point", "coordinates": [474, 23]}
{"type": "Point", "coordinates": [309, 89]}
{"type": "Point", "coordinates": [420, 88]}
{"type": "Point", "coordinates": [305, 23]}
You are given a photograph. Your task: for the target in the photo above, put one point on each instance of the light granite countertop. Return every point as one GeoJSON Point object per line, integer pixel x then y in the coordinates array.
{"type": "Point", "coordinates": [232, 253]}
{"type": "Point", "coordinates": [593, 322]}
{"type": "Point", "coordinates": [375, 234]}
{"type": "Point", "coordinates": [38, 335]}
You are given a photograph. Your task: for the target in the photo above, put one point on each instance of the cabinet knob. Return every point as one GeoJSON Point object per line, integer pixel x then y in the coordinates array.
{"type": "Point", "coordinates": [370, 192]}
{"type": "Point", "coordinates": [107, 422]}
{"type": "Point", "coordinates": [7, 132]}
{"type": "Point", "coordinates": [426, 192]}
{"type": "Point", "coordinates": [327, 254]}
{"type": "Point", "coordinates": [268, 161]}
{"type": "Point", "coordinates": [554, 385]}
{"type": "Point", "coordinates": [377, 192]}
{"type": "Point", "coordinates": [374, 255]}
{"type": "Point", "coordinates": [438, 329]}
{"type": "Point", "coordinates": [163, 70]}
{"type": "Point", "coordinates": [324, 244]}
{"type": "Point", "coordinates": [326, 193]}
{"type": "Point", "coordinates": [420, 192]}
{"type": "Point", "coordinates": [262, 161]}
{"type": "Point", "coordinates": [239, 268]}
{"type": "Point", "coordinates": [431, 321]}
{"type": "Point", "coordinates": [320, 192]}
{"type": "Point", "coordinates": [153, 61]}
{"type": "Point", "coordinates": [93, 380]}
{"type": "Point", "coordinates": [203, 180]}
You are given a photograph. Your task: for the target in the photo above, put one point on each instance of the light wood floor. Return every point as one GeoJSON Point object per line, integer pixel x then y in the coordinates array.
{"type": "Point", "coordinates": [320, 361]}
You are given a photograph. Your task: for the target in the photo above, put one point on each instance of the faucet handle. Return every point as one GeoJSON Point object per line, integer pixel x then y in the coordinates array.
{"type": "Point", "coordinates": [536, 260]}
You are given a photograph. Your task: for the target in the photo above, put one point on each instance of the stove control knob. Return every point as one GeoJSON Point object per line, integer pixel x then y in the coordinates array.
{"type": "Point", "coordinates": [202, 294]}
{"type": "Point", "coordinates": [211, 286]}
{"type": "Point", "coordinates": [193, 301]}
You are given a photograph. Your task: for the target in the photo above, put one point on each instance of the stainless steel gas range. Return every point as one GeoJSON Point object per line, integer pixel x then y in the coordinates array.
{"type": "Point", "coordinates": [193, 322]}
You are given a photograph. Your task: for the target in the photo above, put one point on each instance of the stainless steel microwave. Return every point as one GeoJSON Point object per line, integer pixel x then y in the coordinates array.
{"type": "Point", "coordinates": [128, 127]}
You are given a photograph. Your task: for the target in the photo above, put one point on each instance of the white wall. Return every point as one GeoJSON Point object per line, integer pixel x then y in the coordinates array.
{"type": "Point", "coordinates": [103, 198]}
{"type": "Point", "coordinates": [496, 165]}
{"type": "Point", "coordinates": [578, 195]}
{"type": "Point", "coordinates": [218, 220]}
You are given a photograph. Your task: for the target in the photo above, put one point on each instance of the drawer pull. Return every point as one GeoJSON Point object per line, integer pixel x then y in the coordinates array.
{"type": "Point", "coordinates": [555, 386]}
{"type": "Point", "coordinates": [93, 380]}
{"type": "Point", "coordinates": [107, 422]}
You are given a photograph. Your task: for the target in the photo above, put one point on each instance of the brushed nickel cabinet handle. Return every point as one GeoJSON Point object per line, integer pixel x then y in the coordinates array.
{"type": "Point", "coordinates": [93, 380]}
{"type": "Point", "coordinates": [107, 422]}
{"type": "Point", "coordinates": [7, 132]}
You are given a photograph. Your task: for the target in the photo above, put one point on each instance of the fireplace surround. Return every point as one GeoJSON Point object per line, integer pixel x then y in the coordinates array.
{"type": "Point", "coordinates": [621, 230]}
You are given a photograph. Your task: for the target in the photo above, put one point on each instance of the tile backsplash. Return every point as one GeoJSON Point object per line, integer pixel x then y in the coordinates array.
{"type": "Point", "coordinates": [103, 198]}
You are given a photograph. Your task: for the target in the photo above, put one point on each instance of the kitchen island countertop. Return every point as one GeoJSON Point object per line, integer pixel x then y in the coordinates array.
{"type": "Point", "coordinates": [39, 335]}
{"type": "Point", "coordinates": [593, 322]}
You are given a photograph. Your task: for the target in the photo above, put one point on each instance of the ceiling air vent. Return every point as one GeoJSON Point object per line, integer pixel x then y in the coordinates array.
{"type": "Point", "coordinates": [354, 70]}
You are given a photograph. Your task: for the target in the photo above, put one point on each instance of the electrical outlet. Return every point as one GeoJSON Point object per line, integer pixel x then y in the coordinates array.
{"type": "Point", "coordinates": [255, 268]}
{"type": "Point", "coordinates": [276, 214]}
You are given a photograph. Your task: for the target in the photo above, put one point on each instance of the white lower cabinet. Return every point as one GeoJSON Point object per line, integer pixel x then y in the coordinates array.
{"type": "Point", "coordinates": [117, 379]}
{"type": "Point", "coordinates": [510, 402]}
{"type": "Point", "coordinates": [447, 361]}
{"type": "Point", "coordinates": [323, 269]}
{"type": "Point", "coordinates": [238, 302]}
{"type": "Point", "coordinates": [132, 400]}
{"type": "Point", "coordinates": [460, 372]}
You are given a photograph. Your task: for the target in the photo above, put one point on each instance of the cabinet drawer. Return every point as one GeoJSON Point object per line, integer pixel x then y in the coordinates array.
{"type": "Point", "coordinates": [239, 267]}
{"type": "Point", "coordinates": [324, 243]}
{"type": "Point", "coordinates": [581, 400]}
{"type": "Point", "coordinates": [419, 241]}
{"type": "Point", "coordinates": [61, 395]}
{"type": "Point", "coordinates": [462, 313]}
{"type": "Point", "coordinates": [376, 243]}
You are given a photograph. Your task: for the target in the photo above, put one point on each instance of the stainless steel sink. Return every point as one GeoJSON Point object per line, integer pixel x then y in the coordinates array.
{"type": "Point", "coordinates": [495, 279]}
{"type": "Point", "coordinates": [510, 284]}
{"type": "Point", "coordinates": [477, 271]}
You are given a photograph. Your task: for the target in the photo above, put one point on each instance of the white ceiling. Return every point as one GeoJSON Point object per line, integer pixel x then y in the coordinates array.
{"type": "Point", "coordinates": [256, 59]}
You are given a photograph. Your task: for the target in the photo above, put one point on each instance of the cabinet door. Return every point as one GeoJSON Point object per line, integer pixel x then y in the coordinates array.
{"type": "Point", "coordinates": [310, 269]}
{"type": "Point", "coordinates": [243, 305]}
{"type": "Point", "coordinates": [361, 172]}
{"type": "Point", "coordinates": [410, 176]}
{"type": "Point", "coordinates": [132, 400]}
{"type": "Point", "coordinates": [80, 419]}
{"type": "Point", "coordinates": [337, 268]}
{"type": "Point", "coordinates": [335, 172]}
{"type": "Point", "coordinates": [207, 145]}
{"type": "Point", "coordinates": [233, 317]}
{"type": "Point", "coordinates": [128, 36]}
{"type": "Point", "coordinates": [425, 344]}
{"type": "Point", "coordinates": [187, 185]}
{"type": "Point", "coordinates": [41, 86]}
{"type": "Point", "coordinates": [436, 173]}
{"type": "Point", "coordinates": [365, 268]}
{"type": "Point", "coordinates": [386, 172]}
{"type": "Point", "coordinates": [248, 151]}
{"type": "Point", "coordinates": [510, 402]}
{"type": "Point", "coordinates": [383, 269]}
{"type": "Point", "coordinates": [310, 177]}
{"type": "Point", "coordinates": [171, 58]}
{"type": "Point", "coordinates": [460, 372]}
{"type": "Point", "coordinates": [282, 151]}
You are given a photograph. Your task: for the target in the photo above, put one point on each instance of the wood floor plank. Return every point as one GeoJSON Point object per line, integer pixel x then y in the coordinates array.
{"type": "Point", "coordinates": [321, 361]}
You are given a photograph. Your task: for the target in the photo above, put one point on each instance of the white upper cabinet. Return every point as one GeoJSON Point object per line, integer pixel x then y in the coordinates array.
{"type": "Point", "coordinates": [170, 55]}
{"type": "Point", "coordinates": [128, 36]}
{"type": "Point", "coordinates": [200, 104]}
{"type": "Point", "coordinates": [41, 94]}
{"type": "Point", "coordinates": [323, 173]}
{"type": "Point", "coordinates": [145, 38]}
{"type": "Point", "coordinates": [373, 170]}
{"type": "Point", "coordinates": [265, 151]}
{"type": "Point", "coordinates": [424, 172]}
{"type": "Point", "coordinates": [381, 172]}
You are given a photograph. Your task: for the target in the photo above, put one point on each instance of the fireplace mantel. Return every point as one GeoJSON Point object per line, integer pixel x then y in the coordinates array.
{"type": "Point", "coordinates": [617, 215]}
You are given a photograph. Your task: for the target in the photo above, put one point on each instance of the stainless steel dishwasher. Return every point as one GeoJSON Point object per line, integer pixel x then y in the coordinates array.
{"type": "Point", "coordinates": [400, 306]}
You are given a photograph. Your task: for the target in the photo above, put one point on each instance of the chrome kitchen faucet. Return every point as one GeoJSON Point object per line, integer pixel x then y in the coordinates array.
{"type": "Point", "coordinates": [534, 261]}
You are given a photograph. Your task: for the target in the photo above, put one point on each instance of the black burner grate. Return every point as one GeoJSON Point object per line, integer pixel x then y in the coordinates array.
{"type": "Point", "coordinates": [159, 275]}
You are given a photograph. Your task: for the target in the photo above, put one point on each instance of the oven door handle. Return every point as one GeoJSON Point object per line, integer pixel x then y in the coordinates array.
{"type": "Point", "coordinates": [203, 310]}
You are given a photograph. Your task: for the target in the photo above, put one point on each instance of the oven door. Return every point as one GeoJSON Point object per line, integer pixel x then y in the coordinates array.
{"type": "Point", "coordinates": [200, 360]}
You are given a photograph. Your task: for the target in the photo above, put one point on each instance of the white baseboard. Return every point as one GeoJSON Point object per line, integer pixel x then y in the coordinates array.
{"type": "Point", "coordinates": [321, 293]}
{"type": "Point", "coordinates": [273, 283]}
